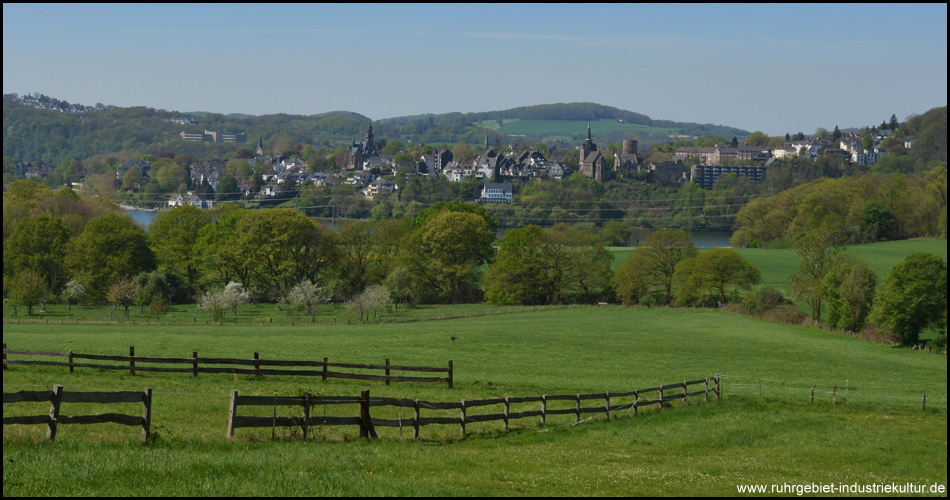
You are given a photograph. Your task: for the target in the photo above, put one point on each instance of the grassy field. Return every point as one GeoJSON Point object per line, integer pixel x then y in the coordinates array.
{"type": "Point", "coordinates": [700, 449]}
{"type": "Point", "coordinates": [778, 265]}
{"type": "Point", "coordinates": [764, 430]}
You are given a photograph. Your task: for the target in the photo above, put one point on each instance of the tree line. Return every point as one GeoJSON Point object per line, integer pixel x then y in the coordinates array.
{"type": "Point", "coordinates": [58, 246]}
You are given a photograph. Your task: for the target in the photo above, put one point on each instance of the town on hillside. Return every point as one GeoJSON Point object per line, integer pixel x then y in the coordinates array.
{"type": "Point", "coordinates": [376, 166]}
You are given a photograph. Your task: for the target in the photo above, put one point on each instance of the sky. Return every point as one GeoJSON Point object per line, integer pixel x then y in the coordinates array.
{"type": "Point", "coordinates": [773, 68]}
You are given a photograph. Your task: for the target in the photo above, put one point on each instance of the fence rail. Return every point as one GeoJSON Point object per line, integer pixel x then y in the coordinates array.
{"type": "Point", "coordinates": [58, 396]}
{"type": "Point", "coordinates": [664, 394]}
{"type": "Point", "coordinates": [843, 392]}
{"type": "Point", "coordinates": [134, 364]}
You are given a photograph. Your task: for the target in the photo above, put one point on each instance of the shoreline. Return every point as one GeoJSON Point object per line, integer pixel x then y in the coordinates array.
{"type": "Point", "coordinates": [130, 208]}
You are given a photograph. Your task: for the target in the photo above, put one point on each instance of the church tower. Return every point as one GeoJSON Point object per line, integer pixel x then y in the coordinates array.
{"type": "Point", "coordinates": [260, 147]}
{"type": "Point", "coordinates": [369, 149]}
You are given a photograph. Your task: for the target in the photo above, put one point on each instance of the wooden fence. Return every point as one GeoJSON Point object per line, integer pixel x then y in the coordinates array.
{"type": "Point", "coordinates": [658, 396]}
{"type": "Point", "coordinates": [58, 396]}
{"type": "Point", "coordinates": [135, 364]}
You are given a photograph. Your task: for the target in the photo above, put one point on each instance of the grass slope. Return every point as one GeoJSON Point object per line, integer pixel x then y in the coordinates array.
{"type": "Point", "coordinates": [699, 449]}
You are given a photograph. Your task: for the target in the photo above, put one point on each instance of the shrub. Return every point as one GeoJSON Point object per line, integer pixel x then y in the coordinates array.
{"type": "Point", "coordinates": [758, 301]}
{"type": "Point", "coordinates": [786, 314]}
{"type": "Point", "coordinates": [878, 335]}
{"type": "Point", "coordinates": [939, 343]}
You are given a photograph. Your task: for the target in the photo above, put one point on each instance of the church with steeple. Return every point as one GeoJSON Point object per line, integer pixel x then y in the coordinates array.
{"type": "Point", "coordinates": [358, 152]}
{"type": "Point", "coordinates": [592, 162]}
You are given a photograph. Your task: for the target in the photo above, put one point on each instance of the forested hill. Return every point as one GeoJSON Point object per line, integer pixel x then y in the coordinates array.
{"type": "Point", "coordinates": [50, 136]}
{"type": "Point", "coordinates": [575, 111]}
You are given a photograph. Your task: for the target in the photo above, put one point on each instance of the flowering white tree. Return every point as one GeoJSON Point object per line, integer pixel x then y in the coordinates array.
{"type": "Point", "coordinates": [235, 294]}
{"type": "Point", "coordinates": [73, 290]}
{"type": "Point", "coordinates": [371, 299]}
{"type": "Point", "coordinates": [306, 296]}
{"type": "Point", "coordinates": [218, 300]}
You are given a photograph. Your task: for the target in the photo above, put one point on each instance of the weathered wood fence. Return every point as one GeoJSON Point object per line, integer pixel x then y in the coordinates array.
{"type": "Point", "coordinates": [640, 398]}
{"type": "Point", "coordinates": [58, 396]}
{"type": "Point", "coordinates": [135, 364]}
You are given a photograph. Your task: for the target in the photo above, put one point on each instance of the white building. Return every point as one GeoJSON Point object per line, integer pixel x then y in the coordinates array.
{"type": "Point", "coordinates": [496, 193]}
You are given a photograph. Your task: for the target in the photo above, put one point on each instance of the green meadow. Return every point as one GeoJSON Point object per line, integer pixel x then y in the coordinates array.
{"type": "Point", "coordinates": [703, 448]}
{"type": "Point", "coordinates": [765, 430]}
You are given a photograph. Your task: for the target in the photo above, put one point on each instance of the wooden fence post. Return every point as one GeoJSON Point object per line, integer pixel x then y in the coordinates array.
{"type": "Point", "coordinates": [132, 360]}
{"type": "Point", "coordinates": [366, 422]}
{"type": "Point", "coordinates": [257, 365]}
{"type": "Point", "coordinates": [636, 401]}
{"type": "Point", "coordinates": [661, 397]}
{"type": "Point", "coordinates": [684, 393]}
{"type": "Point", "coordinates": [147, 414]}
{"type": "Point", "coordinates": [923, 403]}
{"type": "Point", "coordinates": [194, 355]}
{"type": "Point", "coordinates": [505, 413]}
{"type": "Point", "coordinates": [324, 368]}
{"type": "Point", "coordinates": [577, 410]}
{"type": "Point", "coordinates": [306, 413]}
{"type": "Point", "coordinates": [415, 422]}
{"type": "Point", "coordinates": [718, 387]}
{"type": "Point", "coordinates": [812, 400]}
{"type": "Point", "coordinates": [70, 361]}
{"type": "Point", "coordinates": [55, 401]}
{"type": "Point", "coordinates": [706, 391]}
{"type": "Point", "coordinates": [451, 374]}
{"type": "Point", "coordinates": [607, 404]}
{"type": "Point", "coordinates": [387, 371]}
{"type": "Point", "coordinates": [462, 419]}
{"type": "Point", "coordinates": [834, 395]}
{"type": "Point", "coordinates": [232, 413]}
{"type": "Point", "coordinates": [544, 408]}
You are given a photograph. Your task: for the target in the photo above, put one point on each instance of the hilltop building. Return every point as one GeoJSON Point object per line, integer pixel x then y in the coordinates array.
{"type": "Point", "coordinates": [214, 136]}
{"type": "Point", "coordinates": [592, 162]}
{"type": "Point", "coordinates": [359, 152]}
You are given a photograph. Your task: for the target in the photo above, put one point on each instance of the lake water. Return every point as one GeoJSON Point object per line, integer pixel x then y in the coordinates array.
{"type": "Point", "coordinates": [702, 239]}
{"type": "Point", "coordinates": [143, 218]}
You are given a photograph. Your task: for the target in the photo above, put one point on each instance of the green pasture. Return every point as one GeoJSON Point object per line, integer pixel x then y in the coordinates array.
{"type": "Point", "coordinates": [765, 430]}
{"type": "Point", "coordinates": [877, 432]}
{"type": "Point", "coordinates": [777, 265]}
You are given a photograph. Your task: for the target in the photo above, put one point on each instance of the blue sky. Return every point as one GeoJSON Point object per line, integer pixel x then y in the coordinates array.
{"type": "Point", "coordinates": [774, 68]}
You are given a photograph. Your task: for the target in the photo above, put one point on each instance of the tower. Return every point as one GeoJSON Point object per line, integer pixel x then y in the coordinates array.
{"type": "Point", "coordinates": [260, 146]}
{"type": "Point", "coordinates": [369, 148]}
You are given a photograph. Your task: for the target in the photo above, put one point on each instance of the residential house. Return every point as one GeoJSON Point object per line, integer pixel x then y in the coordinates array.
{"type": "Point", "coordinates": [865, 157]}
{"type": "Point", "coordinates": [706, 175]}
{"type": "Point", "coordinates": [437, 160]}
{"type": "Point", "coordinates": [378, 186]}
{"type": "Point", "coordinates": [496, 193]}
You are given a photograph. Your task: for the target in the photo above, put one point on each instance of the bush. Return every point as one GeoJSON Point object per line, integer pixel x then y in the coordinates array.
{"type": "Point", "coordinates": [758, 301]}
{"type": "Point", "coordinates": [787, 315]}
{"type": "Point", "coordinates": [939, 343]}
{"type": "Point", "coordinates": [877, 335]}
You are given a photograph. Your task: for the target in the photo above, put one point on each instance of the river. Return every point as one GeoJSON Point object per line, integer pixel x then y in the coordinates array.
{"type": "Point", "coordinates": [702, 239]}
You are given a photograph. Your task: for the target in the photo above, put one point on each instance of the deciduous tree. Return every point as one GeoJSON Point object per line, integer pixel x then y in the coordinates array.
{"type": "Point", "coordinates": [111, 247]}
{"type": "Point", "coordinates": [816, 252]}
{"type": "Point", "coordinates": [849, 286]}
{"type": "Point", "coordinates": [913, 296]}
{"type": "Point", "coordinates": [718, 274]}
